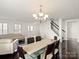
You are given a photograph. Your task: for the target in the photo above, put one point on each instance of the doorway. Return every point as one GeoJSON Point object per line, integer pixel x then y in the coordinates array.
{"type": "Point", "coordinates": [72, 42]}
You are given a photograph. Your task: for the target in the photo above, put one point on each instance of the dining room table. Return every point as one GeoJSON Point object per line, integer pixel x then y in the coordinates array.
{"type": "Point", "coordinates": [37, 48]}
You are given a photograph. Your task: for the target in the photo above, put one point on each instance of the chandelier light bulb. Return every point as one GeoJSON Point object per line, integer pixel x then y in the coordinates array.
{"type": "Point", "coordinates": [46, 16]}
{"type": "Point", "coordinates": [34, 15]}
{"type": "Point", "coordinates": [41, 14]}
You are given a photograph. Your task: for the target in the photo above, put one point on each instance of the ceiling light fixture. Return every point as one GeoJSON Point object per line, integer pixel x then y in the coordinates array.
{"type": "Point", "coordinates": [41, 16]}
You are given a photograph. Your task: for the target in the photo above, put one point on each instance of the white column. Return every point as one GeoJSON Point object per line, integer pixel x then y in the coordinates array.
{"type": "Point", "coordinates": [66, 30]}
{"type": "Point", "coordinates": [60, 37]}
{"type": "Point", "coordinates": [60, 30]}
{"type": "Point", "coordinates": [66, 36]}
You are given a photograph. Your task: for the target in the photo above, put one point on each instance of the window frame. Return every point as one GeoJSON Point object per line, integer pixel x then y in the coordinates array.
{"type": "Point", "coordinates": [18, 28]}
{"type": "Point", "coordinates": [3, 29]}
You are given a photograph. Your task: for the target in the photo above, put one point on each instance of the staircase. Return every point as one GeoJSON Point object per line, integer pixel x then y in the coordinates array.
{"type": "Point", "coordinates": [69, 52]}
{"type": "Point", "coordinates": [55, 26]}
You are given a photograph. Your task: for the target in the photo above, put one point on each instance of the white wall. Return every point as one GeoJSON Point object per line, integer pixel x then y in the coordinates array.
{"type": "Point", "coordinates": [73, 29]}
{"type": "Point", "coordinates": [24, 27]}
{"type": "Point", "coordinates": [45, 30]}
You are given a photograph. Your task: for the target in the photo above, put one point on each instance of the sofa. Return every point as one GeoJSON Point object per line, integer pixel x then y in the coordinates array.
{"type": "Point", "coordinates": [20, 37]}
{"type": "Point", "coordinates": [8, 46]}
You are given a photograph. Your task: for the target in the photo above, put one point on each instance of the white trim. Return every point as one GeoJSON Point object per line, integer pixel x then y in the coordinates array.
{"type": "Point", "coordinates": [66, 30]}
{"type": "Point", "coordinates": [67, 21]}
{"type": "Point", "coordinates": [72, 20]}
{"type": "Point", "coordinates": [60, 30]}
{"type": "Point", "coordinates": [60, 37]}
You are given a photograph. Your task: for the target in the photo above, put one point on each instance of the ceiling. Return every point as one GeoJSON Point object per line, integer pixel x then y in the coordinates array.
{"type": "Point", "coordinates": [23, 9]}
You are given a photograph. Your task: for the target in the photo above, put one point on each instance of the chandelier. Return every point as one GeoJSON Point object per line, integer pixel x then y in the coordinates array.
{"type": "Point", "coordinates": [41, 16]}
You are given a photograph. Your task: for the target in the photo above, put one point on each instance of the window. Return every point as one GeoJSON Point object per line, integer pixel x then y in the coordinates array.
{"type": "Point", "coordinates": [30, 28]}
{"type": "Point", "coordinates": [17, 28]}
{"type": "Point", "coordinates": [3, 28]}
{"type": "Point", "coordinates": [0, 28]}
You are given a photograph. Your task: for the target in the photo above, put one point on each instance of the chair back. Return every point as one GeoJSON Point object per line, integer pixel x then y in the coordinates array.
{"type": "Point", "coordinates": [57, 44]}
{"type": "Point", "coordinates": [55, 37]}
{"type": "Point", "coordinates": [38, 38]}
{"type": "Point", "coordinates": [30, 40]}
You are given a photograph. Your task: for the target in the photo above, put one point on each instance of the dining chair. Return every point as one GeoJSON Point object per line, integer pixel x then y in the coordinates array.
{"type": "Point", "coordinates": [21, 52]}
{"type": "Point", "coordinates": [56, 51]}
{"type": "Point", "coordinates": [50, 49]}
{"type": "Point", "coordinates": [38, 38]}
{"type": "Point", "coordinates": [30, 40]}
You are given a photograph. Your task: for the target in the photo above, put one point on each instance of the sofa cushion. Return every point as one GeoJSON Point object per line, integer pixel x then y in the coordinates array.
{"type": "Point", "coordinates": [6, 40]}
{"type": "Point", "coordinates": [12, 36]}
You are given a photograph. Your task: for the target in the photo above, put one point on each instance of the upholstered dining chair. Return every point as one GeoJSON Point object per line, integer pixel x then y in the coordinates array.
{"type": "Point", "coordinates": [30, 40]}
{"type": "Point", "coordinates": [21, 52]}
{"type": "Point", "coordinates": [50, 49]}
{"type": "Point", "coordinates": [56, 51]}
{"type": "Point", "coordinates": [38, 38]}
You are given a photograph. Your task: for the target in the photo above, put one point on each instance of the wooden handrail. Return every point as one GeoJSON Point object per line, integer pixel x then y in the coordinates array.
{"type": "Point", "coordinates": [55, 25]}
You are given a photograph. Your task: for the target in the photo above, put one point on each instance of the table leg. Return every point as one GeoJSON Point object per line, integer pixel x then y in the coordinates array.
{"type": "Point", "coordinates": [38, 57]}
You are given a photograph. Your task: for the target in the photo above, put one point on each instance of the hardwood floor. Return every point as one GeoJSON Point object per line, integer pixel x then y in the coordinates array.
{"type": "Point", "coordinates": [20, 53]}
{"type": "Point", "coordinates": [10, 56]}
{"type": "Point", "coordinates": [69, 52]}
